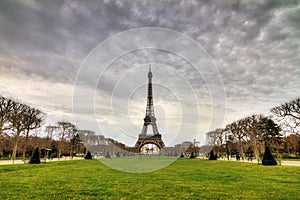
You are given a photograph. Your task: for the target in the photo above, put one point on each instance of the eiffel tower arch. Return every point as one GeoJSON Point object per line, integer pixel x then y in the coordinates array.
{"type": "Point", "coordinates": [149, 122]}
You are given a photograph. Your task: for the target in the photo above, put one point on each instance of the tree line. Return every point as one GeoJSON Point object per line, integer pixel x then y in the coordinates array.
{"type": "Point", "coordinates": [20, 132]}
{"type": "Point", "coordinates": [17, 118]}
{"type": "Point", "coordinates": [249, 136]}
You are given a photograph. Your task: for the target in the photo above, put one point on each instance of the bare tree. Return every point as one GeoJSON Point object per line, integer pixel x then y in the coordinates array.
{"type": "Point", "coordinates": [67, 131]}
{"type": "Point", "coordinates": [258, 130]}
{"type": "Point", "coordinates": [75, 141]}
{"type": "Point", "coordinates": [290, 112]}
{"type": "Point", "coordinates": [288, 115]}
{"type": "Point", "coordinates": [254, 134]}
{"type": "Point", "coordinates": [6, 108]}
{"type": "Point", "coordinates": [33, 119]}
{"type": "Point", "coordinates": [5, 111]}
{"type": "Point", "coordinates": [237, 130]}
{"type": "Point", "coordinates": [216, 139]}
{"type": "Point", "coordinates": [17, 119]}
{"type": "Point", "coordinates": [212, 138]}
{"type": "Point", "coordinates": [23, 119]}
{"type": "Point", "coordinates": [294, 143]}
{"type": "Point", "coordinates": [51, 131]}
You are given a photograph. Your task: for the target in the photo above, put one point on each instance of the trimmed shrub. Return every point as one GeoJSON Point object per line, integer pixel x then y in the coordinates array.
{"type": "Point", "coordinates": [268, 159]}
{"type": "Point", "coordinates": [192, 155]}
{"type": "Point", "coordinates": [35, 159]}
{"type": "Point", "coordinates": [88, 155]}
{"type": "Point", "coordinates": [212, 156]}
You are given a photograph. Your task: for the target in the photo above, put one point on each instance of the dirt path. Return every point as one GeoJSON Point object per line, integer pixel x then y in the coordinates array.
{"type": "Point", "coordinates": [10, 162]}
{"type": "Point", "coordinates": [282, 162]}
{"type": "Point", "coordinates": [290, 163]}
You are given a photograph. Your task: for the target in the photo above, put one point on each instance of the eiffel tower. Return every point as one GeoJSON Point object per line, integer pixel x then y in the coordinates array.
{"type": "Point", "coordinates": [149, 120]}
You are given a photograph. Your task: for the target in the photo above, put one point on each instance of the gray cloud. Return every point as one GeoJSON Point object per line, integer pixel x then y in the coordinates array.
{"type": "Point", "coordinates": [255, 46]}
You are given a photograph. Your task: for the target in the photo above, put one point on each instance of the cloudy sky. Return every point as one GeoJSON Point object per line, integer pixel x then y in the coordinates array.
{"type": "Point", "coordinates": [213, 62]}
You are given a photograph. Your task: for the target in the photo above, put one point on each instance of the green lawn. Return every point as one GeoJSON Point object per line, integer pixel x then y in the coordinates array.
{"type": "Point", "coordinates": [183, 179]}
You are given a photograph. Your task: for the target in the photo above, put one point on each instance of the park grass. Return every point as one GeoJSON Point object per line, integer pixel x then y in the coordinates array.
{"type": "Point", "coordinates": [183, 179]}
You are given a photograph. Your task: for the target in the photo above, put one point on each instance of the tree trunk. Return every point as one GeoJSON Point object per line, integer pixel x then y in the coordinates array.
{"type": "Point", "coordinates": [59, 151]}
{"type": "Point", "coordinates": [71, 152]}
{"type": "Point", "coordinates": [255, 150]}
{"type": "Point", "coordinates": [241, 149]}
{"type": "Point", "coordinates": [15, 146]}
{"type": "Point", "coordinates": [25, 144]}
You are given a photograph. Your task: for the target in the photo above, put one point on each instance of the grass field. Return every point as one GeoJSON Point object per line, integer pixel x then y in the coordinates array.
{"type": "Point", "coordinates": [183, 179]}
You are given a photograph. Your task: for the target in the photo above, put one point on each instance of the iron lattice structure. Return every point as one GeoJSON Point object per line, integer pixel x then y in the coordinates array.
{"type": "Point", "coordinates": [149, 120]}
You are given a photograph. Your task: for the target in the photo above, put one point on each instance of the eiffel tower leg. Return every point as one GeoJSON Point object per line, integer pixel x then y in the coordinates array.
{"type": "Point", "coordinates": [144, 131]}
{"type": "Point", "coordinates": [155, 129]}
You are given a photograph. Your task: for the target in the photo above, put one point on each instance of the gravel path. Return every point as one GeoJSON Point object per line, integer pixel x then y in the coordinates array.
{"type": "Point", "coordinates": [284, 162]}
{"type": "Point", "coordinates": [9, 162]}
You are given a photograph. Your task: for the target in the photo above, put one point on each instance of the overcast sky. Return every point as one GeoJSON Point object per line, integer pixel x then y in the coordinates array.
{"type": "Point", "coordinates": [52, 57]}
